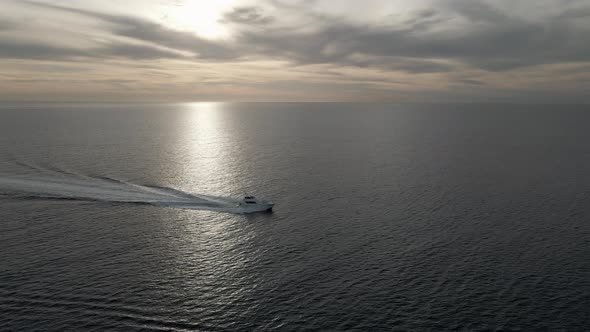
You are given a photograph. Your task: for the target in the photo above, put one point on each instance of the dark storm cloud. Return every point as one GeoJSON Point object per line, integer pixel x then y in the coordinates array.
{"type": "Point", "coordinates": [247, 15]}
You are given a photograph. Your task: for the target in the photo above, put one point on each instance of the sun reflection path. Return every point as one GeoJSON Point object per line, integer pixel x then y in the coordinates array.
{"type": "Point", "coordinates": [216, 256]}
{"type": "Point", "coordinates": [210, 165]}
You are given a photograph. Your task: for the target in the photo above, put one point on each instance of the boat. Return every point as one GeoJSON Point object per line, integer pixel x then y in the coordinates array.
{"type": "Point", "coordinates": [251, 204]}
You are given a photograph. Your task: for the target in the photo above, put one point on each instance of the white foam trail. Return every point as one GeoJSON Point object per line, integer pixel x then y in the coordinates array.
{"type": "Point", "coordinates": [111, 190]}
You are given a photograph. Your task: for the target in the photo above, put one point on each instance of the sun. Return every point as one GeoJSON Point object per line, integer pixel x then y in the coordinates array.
{"type": "Point", "coordinates": [200, 16]}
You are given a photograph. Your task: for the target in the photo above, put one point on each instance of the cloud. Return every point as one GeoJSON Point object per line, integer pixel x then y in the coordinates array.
{"type": "Point", "coordinates": [18, 50]}
{"type": "Point", "coordinates": [479, 11]}
{"type": "Point", "coordinates": [149, 32]}
{"type": "Point", "coordinates": [447, 47]}
{"type": "Point", "coordinates": [576, 13]}
{"type": "Point", "coordinates": [7, 25]}
{"type": "Point", "coordinates": [247, 15]}
{"type": "Point", "coordinates": [36, 51]}
{"type": "Point", "coordinates": [469, 81]}
{"type": "Point", "coordinates": [423, 20]}
{"type": "Point", "coordinates": [135, 51]}
{"type": "Point", "coordinates": [491, 40]}
{"type": "Point", "coordinates": [184, 41]}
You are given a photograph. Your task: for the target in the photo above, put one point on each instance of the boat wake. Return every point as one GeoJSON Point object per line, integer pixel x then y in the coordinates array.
{"type": "Point", "coordinates": [106, 189]}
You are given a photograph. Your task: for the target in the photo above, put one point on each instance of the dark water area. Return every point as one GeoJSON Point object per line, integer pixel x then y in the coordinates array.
{"type": "Point", "coordinates": [387, 217]}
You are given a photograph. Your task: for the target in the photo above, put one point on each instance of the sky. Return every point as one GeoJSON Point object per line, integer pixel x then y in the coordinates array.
{"type": "Point", "coordinates": [530, 51]}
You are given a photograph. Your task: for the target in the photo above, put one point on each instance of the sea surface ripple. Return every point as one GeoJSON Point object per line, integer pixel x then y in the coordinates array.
{"type": "Point", "coordinates": [387, 217]}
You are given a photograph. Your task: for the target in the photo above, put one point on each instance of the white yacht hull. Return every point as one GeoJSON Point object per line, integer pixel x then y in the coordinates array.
{"type": "Point", "coordinates": [259, 207]}
{"type": "Point", "coordinates": [250, 204]}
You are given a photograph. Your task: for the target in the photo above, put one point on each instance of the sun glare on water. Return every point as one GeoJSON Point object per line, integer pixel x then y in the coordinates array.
{"type": "Point", "coordinates": [200, 16]}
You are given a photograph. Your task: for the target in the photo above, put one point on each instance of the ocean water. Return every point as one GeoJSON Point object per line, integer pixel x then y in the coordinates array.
{"type": "Point", "coordinates": [387, 217]}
